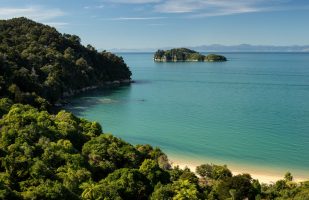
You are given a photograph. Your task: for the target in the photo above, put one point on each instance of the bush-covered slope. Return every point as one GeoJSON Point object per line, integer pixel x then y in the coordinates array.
{"type": "Point", "coordinates": [60, 156]}
{"type": "Point", "coordinates": [37, 63]}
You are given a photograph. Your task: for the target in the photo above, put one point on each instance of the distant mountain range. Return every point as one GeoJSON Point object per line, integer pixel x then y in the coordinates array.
{"type": "Point", "coordinates": [229, 48]}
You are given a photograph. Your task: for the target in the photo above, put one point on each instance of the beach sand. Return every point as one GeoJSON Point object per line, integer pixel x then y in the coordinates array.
{"type": "Point", "coordinates": [264, 175]}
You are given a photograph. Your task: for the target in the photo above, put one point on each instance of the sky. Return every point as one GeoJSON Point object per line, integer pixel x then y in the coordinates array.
{"type": "Point", "coordinates": [138, 24]}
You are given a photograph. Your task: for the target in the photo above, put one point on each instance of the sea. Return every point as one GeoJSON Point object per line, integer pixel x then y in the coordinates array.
{"type": "Point", "coordinates": [251, 111]}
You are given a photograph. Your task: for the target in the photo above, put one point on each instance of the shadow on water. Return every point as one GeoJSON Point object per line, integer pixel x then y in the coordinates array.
{"type": "Point", "coordinates": [142, 81]}
{"type": "Point", "coordinates": [81, 102]}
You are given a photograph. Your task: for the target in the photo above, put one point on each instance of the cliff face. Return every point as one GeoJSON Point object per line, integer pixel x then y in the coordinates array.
{"type": "Point", "coordinates": [185, 55]}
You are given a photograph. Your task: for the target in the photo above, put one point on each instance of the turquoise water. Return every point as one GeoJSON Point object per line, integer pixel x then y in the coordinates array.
{"type": "Point", "coordinates": [253, 109]}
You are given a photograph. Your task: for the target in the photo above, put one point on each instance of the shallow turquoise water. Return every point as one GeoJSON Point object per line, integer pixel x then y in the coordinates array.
{"type": "Point", "coordinates": [253, 109]}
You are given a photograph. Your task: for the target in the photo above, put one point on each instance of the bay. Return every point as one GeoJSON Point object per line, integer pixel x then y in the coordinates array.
{"type": "Point", "coordinates": [252, 110]}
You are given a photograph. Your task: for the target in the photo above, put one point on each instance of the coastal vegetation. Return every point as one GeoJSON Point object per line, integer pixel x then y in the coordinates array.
{"type": "Point", "coordinates": [215, 58]}
{"type": "Point", "coordinates": [61, 156]}
{"type": "Point", "coordinates": [184, 54]}
{"type": "Point", "coordinates": [39, 65]}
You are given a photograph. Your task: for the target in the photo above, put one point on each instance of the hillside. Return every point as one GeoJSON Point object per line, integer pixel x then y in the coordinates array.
{"type": "Point", "coordinates": [60, 156]}
{"type": "Point", "coordinates": [39, 65]}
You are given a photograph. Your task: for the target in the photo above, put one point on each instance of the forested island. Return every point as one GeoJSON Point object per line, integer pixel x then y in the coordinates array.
{"type": "Point", "coordinates": [185, 55]}
{"type": "Point", "coordinates": [57, 155]}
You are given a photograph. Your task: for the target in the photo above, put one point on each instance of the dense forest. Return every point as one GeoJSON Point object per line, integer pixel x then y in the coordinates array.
{"type": "Point", "coordinates": [184, 54]}
{"type": "Point", "coordinates": [61, 156]}
{"type": "Point", "coordinates": [39, 65]}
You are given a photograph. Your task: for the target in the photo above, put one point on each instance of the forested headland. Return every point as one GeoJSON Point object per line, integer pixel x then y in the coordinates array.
{"type": "Point", "coordinates": [60, 156]}
{"type": "Point", "coordinates": [39, 65]}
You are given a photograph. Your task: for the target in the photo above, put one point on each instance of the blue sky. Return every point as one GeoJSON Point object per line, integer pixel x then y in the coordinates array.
{"type": "Point", "coordinates": [108, 24]}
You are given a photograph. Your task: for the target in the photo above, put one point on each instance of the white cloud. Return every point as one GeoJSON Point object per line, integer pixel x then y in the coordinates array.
{"type": "Point", "coordinates": [134, 18]}
{"type": "Point", "coordinates": [179, 6]}
{"type": "Point", "coordinates": [37, 13]}
{"type": "Point", "coordinates": [206, 8]}
{"type": "Point", "coordinates": [133, 1]}
{"type": "Point", "coordinates": [156, 24]}
{"type": "Point", "coordinates": [94, 7]}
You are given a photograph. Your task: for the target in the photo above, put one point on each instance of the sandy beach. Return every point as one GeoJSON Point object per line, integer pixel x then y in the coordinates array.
{"type": "Point", "coordinates": [268, 176]}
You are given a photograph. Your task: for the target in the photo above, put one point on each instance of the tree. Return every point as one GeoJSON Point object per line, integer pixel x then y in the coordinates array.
{"type": "Point", "coordinates": [189, 176]}
{"type": "Point", "coordinates": [73, 178]}
{"type": "Point", "coordinates": [128, 183]}
{"type": "Point", "coordinates": [220, 172]}
{"type": "Point", "coordinates": [213, 171]}
{"type": "Point", "coordinates": [184, 190]}
{"type": "Point", "coordinates": [163, 192]}
{"type": "Point", "coordinates": [5, 105]}
{"type": "Point", "coordinates": [288, 177]}
{"type": "Point", "coordinates": [237, 187]}
{"type": "Point", "coordinates": [153, 172]}
{"type": "Point", "coordinates": [91, 190]}
{"type": "Point", "coordinates": [204, 170]}
{"type": "Point", "coordinates": [106, 153]}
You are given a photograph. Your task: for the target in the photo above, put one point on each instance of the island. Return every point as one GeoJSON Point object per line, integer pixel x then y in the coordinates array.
{"type": "Point", "coordinates": [185, 55]}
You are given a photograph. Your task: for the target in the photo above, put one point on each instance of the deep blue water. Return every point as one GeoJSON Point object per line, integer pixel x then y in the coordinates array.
{"type": "Point", "coordinates": [253, 109]}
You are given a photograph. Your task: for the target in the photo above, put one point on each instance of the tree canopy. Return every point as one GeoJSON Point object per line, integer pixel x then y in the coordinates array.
{"type": "Point", "coordinates": [39, 65]}
{"type": "Point", "coordinates": [185, 54]}
{"type": "Point", "coordinates": [61, 156]}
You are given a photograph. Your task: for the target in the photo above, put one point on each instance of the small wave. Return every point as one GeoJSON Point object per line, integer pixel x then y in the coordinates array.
{"type": "Point", "coordinates": [107, 101]}
{"type": "Point", "coordinates": [238, 83]}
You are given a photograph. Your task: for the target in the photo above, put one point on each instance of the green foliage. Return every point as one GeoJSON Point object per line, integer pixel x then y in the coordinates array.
{"type": "Point", "coordinates": [178, 54]}
{"type": "Point", "coordinates": [204, 170]}
{"type": "Point", "coordinates": [184, 190]}
{"type": "Point", "coordinates": [5, 105]}
{"type": "Point", "coordinates": [189, 176]}
{"type": "Point", "coordinates": [288, 176]}
{"type": "Point", "coordinates": [39, 65]}
{"type": "Point", "coordinates": [48, 190]}
{"type": "Point", "coordinates": [286, 189]}
{"type": "Point", "coordinates": [153, 172]}
{"type": "Point", "coordinates": [107, 153]}
{"type": "Point", "coordinates": [127, 183]}
{"type": "Point", "coordinates": [178, 190]}
{"type": "Point", "coordinates": [163, 192]}
{"type": "Point", "coordinates": [148, 152]}
{"type": "Point", "coordinates": [184, 54]}
{"type": "Point", "coordinates": [236, 187]}
{"type": "Point", "coordinates": [41, 153]}
{"type": "Point", "coordinates": [213, 171]}
{"type": "Point", "coordinates": [60, 156]}
{"type": "Point", "coordinates": [215, 58]}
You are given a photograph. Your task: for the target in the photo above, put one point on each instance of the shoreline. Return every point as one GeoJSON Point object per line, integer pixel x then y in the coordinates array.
{"type": "Point", "coordinates": [264, 174]}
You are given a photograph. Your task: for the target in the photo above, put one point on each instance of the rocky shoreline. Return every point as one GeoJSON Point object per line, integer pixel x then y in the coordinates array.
{"type": "Point", "coordinates": [105, 85]}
